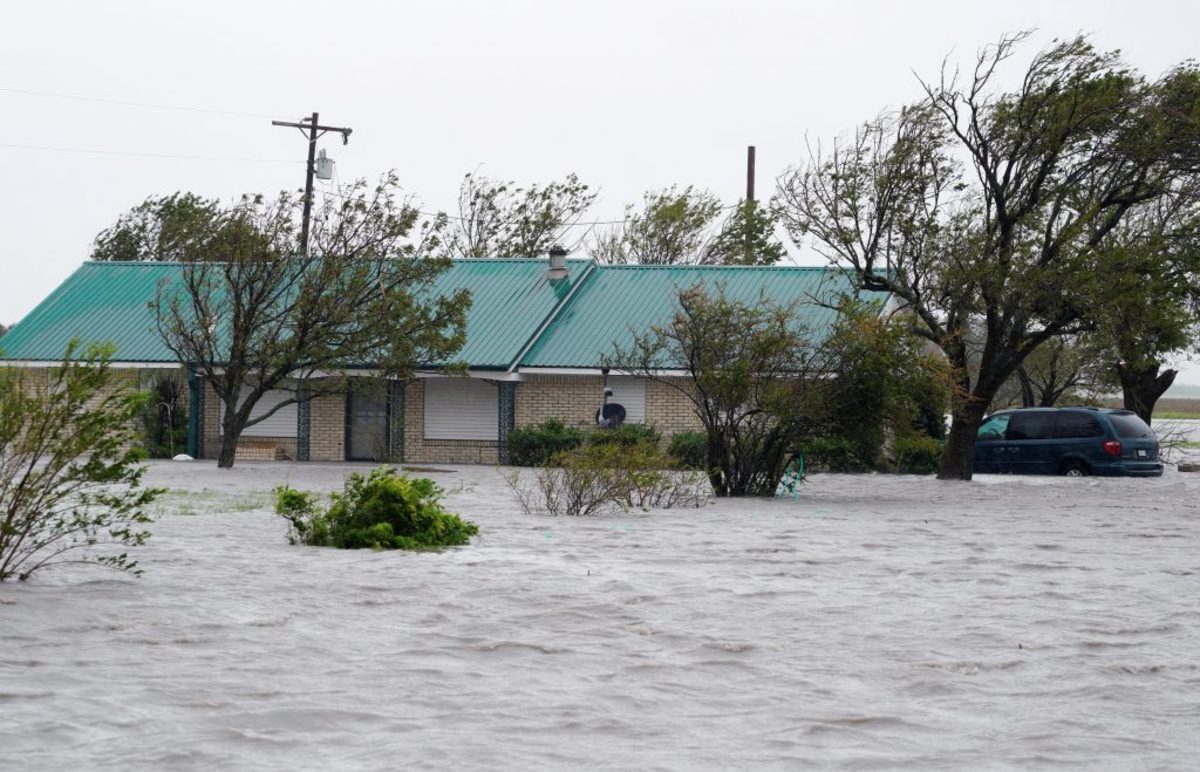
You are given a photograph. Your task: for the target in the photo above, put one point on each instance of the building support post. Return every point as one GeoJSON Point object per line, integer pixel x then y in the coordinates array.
{"type": "Point", "coordinates": [508, 416]}
{"type": "Point", "coordinates": [395, 413]}
{"type": "Point", "coordinates": [303, 423]}
{"type": "Point", "coordinates": [195, 412]}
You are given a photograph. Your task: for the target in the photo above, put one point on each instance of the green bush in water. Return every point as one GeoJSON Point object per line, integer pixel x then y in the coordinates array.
{"type": "Point", "coordinates": [626, 435]}
{"type": "Point", "coordinates": [689, 449]}
{"type": "Point", "coordinates": [917, 455]}
{"type": "Point", "coordinates": [831, 454]}
{"type": "Point", "coordinates": [384, 510]}
{"type": "Point", "coordinates": [535, 445]}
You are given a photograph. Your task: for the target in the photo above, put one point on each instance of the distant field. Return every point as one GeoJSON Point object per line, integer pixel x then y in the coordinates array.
{"type": "Point", "coordinates": [1170, 407]}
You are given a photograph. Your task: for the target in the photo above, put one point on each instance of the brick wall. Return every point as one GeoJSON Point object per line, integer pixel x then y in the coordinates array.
{"type": "Point", "coordinates": [327, 428]}
{"type": "Point", "coordinates": [212, 430]}
{"type": "Point", "coordinates": [670, 411]}
{"type": "Point", "coordinates": [419, 450]}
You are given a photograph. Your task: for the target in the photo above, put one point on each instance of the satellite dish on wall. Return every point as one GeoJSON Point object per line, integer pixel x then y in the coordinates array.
{"type": "Point", "coordinates": [610, 415]}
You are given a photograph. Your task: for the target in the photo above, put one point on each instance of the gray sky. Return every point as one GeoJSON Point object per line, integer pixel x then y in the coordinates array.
{"type": "Point", "coordinates": [628, 95]}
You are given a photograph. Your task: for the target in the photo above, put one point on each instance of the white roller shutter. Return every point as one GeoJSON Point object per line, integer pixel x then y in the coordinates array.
{"type": "Point", "coordinates": [461, 409]}
{"type": "Point", "coordinates": [281, 424]}
{"type": "Point", "coordinates": [630, 393]}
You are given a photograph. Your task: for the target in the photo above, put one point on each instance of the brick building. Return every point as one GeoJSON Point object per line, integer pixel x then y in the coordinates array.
{"type": "Point", "coordinates": [536, 337]}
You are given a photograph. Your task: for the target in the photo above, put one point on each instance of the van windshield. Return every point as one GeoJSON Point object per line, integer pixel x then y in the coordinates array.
{"type": "Point", "coordinates": [1129, 425]}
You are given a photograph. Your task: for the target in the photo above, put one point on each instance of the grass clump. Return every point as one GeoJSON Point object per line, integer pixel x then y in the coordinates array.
{"type": "Point", "coordinates": [384, 510]}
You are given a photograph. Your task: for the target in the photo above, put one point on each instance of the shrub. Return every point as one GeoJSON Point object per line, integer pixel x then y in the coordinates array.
{"type": "Point", "coordinates": [917, 455]}
{"type": "Point", "coordinates": [384, 510]}
{"type": "Point", "coordinates": [689, 449]}
{"type": "Point", "coordinates": [831, 454]}
{"type": "Point", "coordinates": [602, 477]}
{"type": "Point", "coordinates": [535, 445]}
{"type": "Point", "coordinates": [164, 419]}
{"type": "Point", "coordinates": [69, 477]}
{"type": "Point", "coordinates": [626, 435]}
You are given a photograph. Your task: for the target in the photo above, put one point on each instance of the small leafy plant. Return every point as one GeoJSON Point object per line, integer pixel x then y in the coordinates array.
{"type": "Point", "coordinates": [537, 444]}
{"type": "Point", "coordinates": [385, 510]}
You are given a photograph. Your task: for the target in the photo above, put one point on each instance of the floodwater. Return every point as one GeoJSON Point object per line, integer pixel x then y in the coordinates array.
{"type": "Point", "coordinates": [871, 622]}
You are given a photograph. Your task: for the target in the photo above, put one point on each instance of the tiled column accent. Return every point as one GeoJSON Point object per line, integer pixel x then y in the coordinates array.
{"type": "Point", "coordinates": [303, 422]}
{"type": "Point", "coordinates": [508, 415]}
{"type": "Point", "coordinates": [396, 421]}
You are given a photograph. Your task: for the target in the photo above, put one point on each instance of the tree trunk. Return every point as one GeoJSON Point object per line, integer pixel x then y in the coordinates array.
{"type": "Point", "coordinates": [1142, 388]}
{"type": "Point", "coordinates": [228, 452]}
{"type": "Point", "coordinates": [958, 459]}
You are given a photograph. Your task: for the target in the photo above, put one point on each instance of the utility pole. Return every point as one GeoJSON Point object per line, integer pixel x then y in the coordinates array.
{"type": "Point", "coordinates": [311, 129]}
{"type": "Point", "coordinates": [749, 174]}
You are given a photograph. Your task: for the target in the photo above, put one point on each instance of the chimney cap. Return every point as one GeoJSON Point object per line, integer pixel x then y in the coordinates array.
{"type": "Point", "coordinates": [558, 251]}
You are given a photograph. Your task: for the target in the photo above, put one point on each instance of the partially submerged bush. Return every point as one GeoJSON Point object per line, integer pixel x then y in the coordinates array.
{"type": "Point", "coordinates": [69, 473]}
{"type": "Point", "coordinates": [535, 445]}
{"type": "Point", "coordinates": [608, 476]}
{"type": "Point", "coordinates": [917, 454]}
{"type": "Point", "coordinates": [831, 454]}
{"type": "Point", "coordinates": [688, 449]}
{"type": "Point", "coordinates": [384, 510]}
{"type": "Point", "coordinates": [627, 435]}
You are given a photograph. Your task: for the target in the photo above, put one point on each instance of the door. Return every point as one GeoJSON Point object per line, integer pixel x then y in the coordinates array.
{"type": "Point", "coordinates": [1028, 443]}
{"type": "Point", "coordinates": [366, 422]}
{"type": "Point", "coordinates": [990, 438]}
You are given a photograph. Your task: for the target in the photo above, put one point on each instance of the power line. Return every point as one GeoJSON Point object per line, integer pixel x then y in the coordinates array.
{"type": "Point", "coordinates": [135, 154]}
{"type": "Point", "coordinates": [127, 103]}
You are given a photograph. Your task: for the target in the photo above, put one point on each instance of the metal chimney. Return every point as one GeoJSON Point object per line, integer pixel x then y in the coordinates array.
{"type": "Point", "coordinates": [558, 263]}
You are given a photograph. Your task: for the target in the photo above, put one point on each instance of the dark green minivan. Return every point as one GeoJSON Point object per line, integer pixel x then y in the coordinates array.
{"type": "Point", "coordinates": [1075, 441]}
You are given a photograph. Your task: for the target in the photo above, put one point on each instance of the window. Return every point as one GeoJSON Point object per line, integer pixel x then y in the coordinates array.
{"type": "Point", "coordinates": [1129, 426]}
{"type": "Point", "coordinates": [1034, 425]}
{"type": "Point", "coordinates": [281, 424]}
{"type": "Point", "coordinates": [629, 393]}
{"type": "Point", "coordinates": [994, 427]}
{"type": "Point", "coordinates": [461, 409]}
{"type": "Point", "coordinates": [1075, 425]}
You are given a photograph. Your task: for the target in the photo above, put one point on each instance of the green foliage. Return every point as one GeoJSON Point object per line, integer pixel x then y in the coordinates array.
{"type": "Point", "coordinates": [753, 380]}
{"type": "Point", "coordinates": [917, 454]}
{"type": "Point", "coordinates": [627, 435]}
{"type": "Point", "coordinates": [535, 445]}
{"type": "Point", "coordinates": [384, 510]}
{"type": "Point", "coordinates": [160, 228]}
{"type": "Point", "coordinates": [689, 449]}
{"type": "Point", "coordinates": [674, 227]}
{"type": "Point", "coordinates": [831, 454]}
{"type": "Point", "coordinates": [748, 237]}
{"type": "Point", "coordinates": [601, 477]}
{"type": "Point", "coordinates": [164, 419]}
{"type": "Point", "coordinates": [69, 473]}
{"type": "Point", "coordinates": [498, 219]}
{"type": "Point", "coordinates": [885, 384]}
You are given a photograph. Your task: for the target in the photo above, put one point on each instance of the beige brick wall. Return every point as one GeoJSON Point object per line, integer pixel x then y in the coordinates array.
{"type": "Point", "coordinates": [419, 450]}
{"type": "Point", "coordinates": [327, 428]}
{"type": "Point", "coordinates": [574, 399]}
{"type": "Point", "coordinates": [212, 429]}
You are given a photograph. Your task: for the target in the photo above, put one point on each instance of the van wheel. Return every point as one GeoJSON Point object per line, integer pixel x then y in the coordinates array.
{"type": "Point", "coordinates": [1075, 469]}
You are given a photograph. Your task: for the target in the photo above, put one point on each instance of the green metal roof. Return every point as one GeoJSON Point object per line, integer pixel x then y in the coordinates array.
{"type": "Point", "coordinates": [515, 310]}
{"type": "Point", "coordinates": [99, 303]}
{"type": "Point", "coordinates": [510, 301]}
{"type": "Point", "coordinates": [618, 299]}
{"type": "Point", "coordinates": [108, 302]}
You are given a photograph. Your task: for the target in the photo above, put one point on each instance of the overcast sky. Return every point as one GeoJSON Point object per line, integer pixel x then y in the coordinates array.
{"type": "Point", "coordinates": [628, 95]}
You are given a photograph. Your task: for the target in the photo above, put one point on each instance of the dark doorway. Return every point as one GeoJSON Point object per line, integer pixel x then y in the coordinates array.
{"type": "Point", "coordinates": [367, 421]}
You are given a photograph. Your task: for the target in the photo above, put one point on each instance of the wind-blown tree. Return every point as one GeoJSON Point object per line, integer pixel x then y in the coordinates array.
{"type": "Point", "coordinates": [751, 378]}
{"type": "Point", "coordinates": [160, 228]}
{"type": "Point", "coordinates": [982, 206]}
{"type": "Point", "coordinates": [674, 227]}
{"type": "Point", "coordinates": [499, 219]}
{"type": "Point", "coordinates": [683, 227]}
{"type": "Point", "coordinates": [252, 313]}
{"type": "Point", "coordinates": [1155, 312]}
{"type": "Point", "coordinates": [70, 482]}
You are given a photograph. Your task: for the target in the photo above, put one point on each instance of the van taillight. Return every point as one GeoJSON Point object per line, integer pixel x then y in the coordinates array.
{"type": "Point", "coordinates": [1112, 448]}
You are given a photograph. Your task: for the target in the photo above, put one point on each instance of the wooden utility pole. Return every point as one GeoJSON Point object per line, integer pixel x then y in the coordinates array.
{"type": "Point", "coordinates": [311, 129]}
{"type": "Point", "coordinates": [749, 173]}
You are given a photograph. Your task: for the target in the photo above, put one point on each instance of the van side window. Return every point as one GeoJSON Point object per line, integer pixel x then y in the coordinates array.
{"type": "Point", "coordinates": [994, 427]}
{"type": "Point", "coordinates": [1076, 425]}
{"type": "Point", "coordinates": [1031, 426]}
